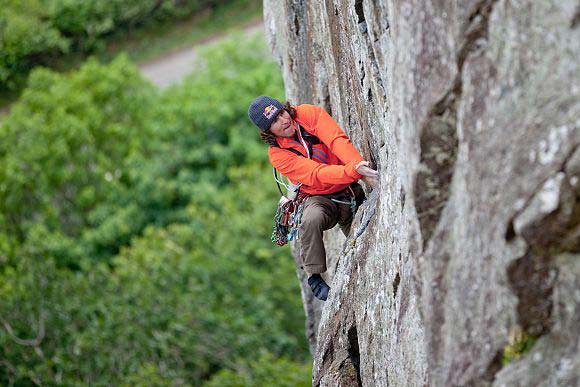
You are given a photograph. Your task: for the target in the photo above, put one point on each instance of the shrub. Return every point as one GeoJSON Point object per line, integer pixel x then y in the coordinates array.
{"type": "Point", "coordinates": [136, 230]}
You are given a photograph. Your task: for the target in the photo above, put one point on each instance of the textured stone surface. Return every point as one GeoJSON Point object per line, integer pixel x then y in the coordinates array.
{"type": "Point", "coordinates": [471, 112]}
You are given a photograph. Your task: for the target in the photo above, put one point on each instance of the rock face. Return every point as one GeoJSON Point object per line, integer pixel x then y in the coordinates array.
{"type": "Point", "coordinates": [471, 112]}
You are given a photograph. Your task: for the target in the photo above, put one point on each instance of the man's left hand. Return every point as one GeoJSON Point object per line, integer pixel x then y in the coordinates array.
{"type": "Point", "coordinates": [369, 175]}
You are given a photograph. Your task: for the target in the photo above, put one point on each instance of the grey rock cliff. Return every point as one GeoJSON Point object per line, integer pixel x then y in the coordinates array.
{"type": "Point", "coordinates": [471, 112]}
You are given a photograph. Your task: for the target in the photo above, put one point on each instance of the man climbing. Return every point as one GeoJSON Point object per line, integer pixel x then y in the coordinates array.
{"type": "Point", "coordinates": [308, 147]}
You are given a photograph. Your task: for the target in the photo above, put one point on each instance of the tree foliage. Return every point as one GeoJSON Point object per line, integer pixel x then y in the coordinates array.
{"type": "Point", "coordinates": [34, 31]}
{"type": "Point", "coordinates": [65, 151]}
{"type": "Point", "coordinates": [134, 231]}
{"type": "Point", "coordinates": [265, 371]}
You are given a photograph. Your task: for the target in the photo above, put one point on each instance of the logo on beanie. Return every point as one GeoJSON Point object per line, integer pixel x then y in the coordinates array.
{"type": "Point", "coordinates": [269, 111]}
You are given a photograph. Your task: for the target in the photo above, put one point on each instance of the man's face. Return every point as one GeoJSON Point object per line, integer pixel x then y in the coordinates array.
{"type": "Point", "coordinates": [283, 125]}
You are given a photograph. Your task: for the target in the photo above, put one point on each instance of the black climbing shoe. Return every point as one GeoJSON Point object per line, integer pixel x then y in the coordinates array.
{"type": "Point", "coordinates": [319, 287]}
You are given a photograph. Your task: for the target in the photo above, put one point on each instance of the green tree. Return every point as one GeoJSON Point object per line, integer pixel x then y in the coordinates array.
{"type": "Point", "coordinates": [266, 370]}
{"type": "Point", "coordinates": [163, 274]}
{"type": "Point", "coordinates": [64, 150]}
{"type": "Point", "coordinates": [25, 31]}
{"type": "Point", "coordinates": [34, 32]}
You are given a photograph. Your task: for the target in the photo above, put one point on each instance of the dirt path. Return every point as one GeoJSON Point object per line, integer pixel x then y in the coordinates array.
{"type": "Point", "coordinates": [171, 68]}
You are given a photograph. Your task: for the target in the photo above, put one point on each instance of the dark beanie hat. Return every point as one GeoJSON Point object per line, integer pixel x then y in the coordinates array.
{"type": "Point", "coordinates": [263, 111]}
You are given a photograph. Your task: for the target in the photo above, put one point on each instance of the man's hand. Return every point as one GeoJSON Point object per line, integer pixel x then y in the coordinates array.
{"type": "Point", "coordinates": [369, 175]}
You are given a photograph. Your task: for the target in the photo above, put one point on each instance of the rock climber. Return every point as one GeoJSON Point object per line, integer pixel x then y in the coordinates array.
{"type": "Point", "coordinates": [308, 147]}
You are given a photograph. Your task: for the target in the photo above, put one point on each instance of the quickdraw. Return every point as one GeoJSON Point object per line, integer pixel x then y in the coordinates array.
{"type": "Point", "coordinates": [287, 219]}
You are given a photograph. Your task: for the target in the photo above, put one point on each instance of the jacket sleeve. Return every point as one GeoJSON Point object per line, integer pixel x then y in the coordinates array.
{"type": "Point", "coordinates": [327, 130]}
{"type": "Point", "coordinates": [309, 172]}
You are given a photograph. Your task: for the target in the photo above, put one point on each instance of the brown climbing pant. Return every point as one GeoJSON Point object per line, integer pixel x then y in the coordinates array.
{"type": "Point", "coordinates": [319, 214]}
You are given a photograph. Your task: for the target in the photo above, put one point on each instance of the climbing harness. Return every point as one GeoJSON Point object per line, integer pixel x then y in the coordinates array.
{"type": "Point", "coordinates": [352, 203]}
{"type": "Point", "coordinates": [290, 206]}
{"type": "Point", "coordinates": [289, 211]}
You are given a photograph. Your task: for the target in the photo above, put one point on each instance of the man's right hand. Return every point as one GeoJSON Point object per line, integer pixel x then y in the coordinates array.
{"type": "Point", "coordinates": [369, 175]}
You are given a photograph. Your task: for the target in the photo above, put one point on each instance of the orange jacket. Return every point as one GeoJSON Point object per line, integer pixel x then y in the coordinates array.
{"type": "Point", "coordinates": [332, 167]}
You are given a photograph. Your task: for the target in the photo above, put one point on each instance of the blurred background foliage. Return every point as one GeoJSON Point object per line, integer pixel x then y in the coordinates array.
{"type": "Point", "coordinates": [59, 33]}
{"type": "Point", "coordinates": [135, 222]}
